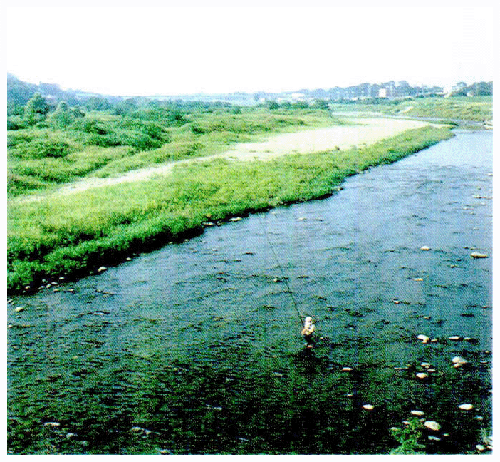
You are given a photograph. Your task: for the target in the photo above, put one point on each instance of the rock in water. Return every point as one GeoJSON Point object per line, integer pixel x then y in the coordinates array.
{"type": "Point", "coordinates": [458, 361]}
{"type": "Point", "coordinates": [424, 338]}
{"type": "Point", "coordinates": [466, 407]}
{"type": "Point", "coordinates": [432, 425]}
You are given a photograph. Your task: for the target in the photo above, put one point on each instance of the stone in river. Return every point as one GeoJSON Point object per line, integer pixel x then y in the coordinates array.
{"type": "Point", "coordinates": [478, 255]}
{"type": "Point", "coordinates": [432, 425]}
{"type": "Point", "coordinates": [466, 407]}
{"type": "Point", "coordinates": [458, 361]}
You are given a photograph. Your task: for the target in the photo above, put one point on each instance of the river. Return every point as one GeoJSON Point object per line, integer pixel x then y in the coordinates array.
{"type": "Point", "coordinates": [196, 347]}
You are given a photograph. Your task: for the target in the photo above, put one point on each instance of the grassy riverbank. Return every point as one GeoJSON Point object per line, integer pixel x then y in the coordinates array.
{"type": "Point", "coordinates": [477, 109]}
{"type": "Point", "coordinates": [73, 235]}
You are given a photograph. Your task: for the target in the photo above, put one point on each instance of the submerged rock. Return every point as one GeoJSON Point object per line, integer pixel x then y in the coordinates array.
{"type": "Point", "coordinates": [52, 424]}
{"type": "Point", "coordinates": [424, 338]}
{"type": "Point", "coordinates": [458, 361]}
{"type": "Point", "coordinates": [433, 438]}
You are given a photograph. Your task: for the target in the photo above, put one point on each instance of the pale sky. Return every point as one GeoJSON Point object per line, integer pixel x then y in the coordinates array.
{"type": "Point", "coordinates": [173, 50]}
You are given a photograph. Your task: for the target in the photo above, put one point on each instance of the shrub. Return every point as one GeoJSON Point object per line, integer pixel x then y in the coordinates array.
{"type": "Point", "coordinates": [16, 123]}
{"type": "Point", "coordinates": [39, 148]}
{"type": "Point", "coordinates": [92, 126]}
{"type": "Point", "coordinates": [408, 438]}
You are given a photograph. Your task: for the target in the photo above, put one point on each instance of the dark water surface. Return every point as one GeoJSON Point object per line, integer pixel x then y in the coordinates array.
{"type": "Point", "coordinates": [196, 348]}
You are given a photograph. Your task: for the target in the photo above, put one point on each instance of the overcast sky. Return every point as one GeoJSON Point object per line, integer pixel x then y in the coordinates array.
{"type": "Point", "coordinates": [171, 50]}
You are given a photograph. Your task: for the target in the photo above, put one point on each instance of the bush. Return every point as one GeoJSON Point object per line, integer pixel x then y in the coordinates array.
{"type": "Point", "coordinates": [92, 126]}
{"type": "Point", "coordinates": [16, 123]}
{"type": "Point", "coordinates": [39, 148]}
{"type": "Point", "coordinates": [140, 135]}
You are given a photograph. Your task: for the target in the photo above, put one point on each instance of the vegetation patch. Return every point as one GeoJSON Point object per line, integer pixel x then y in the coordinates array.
{"type": "Point", "coordinates": [476, 109]}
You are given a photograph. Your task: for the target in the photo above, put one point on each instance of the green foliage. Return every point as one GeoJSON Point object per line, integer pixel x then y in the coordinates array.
{"type": "Point", "coordinates": [230, 123]}
{"type": "Point", "coordinates": [64, 116]}
{"type": "Point", "coordinates": [36, 109]}
{"type": "Point", "coordinates": [166, 116]}
{"type": "Point", "coordinates": [97, 104]}
{"type": "Point", "coordinates": [26, 146]}
{"type": "Point", "coordinates": [90, 125]}
{"type": "Point", "coordinates": [455, 108]}
{"type": "Point", "coordinates": [408, 437]}
{"type": "Point", "coordinates": [16, 122]}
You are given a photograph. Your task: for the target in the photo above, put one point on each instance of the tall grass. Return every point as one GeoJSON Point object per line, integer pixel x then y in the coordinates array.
{"type": "Point", "coordinates": [74, 234]}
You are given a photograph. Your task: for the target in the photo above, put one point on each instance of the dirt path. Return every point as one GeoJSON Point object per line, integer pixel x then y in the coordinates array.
{"type": "Point", "coordinates": [364, 132]}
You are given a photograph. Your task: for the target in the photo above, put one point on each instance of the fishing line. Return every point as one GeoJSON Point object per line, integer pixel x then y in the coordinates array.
{"type": "Point", "coordinates": [284, 278]}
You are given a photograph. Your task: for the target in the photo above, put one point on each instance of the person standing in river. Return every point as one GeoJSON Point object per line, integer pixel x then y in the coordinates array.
{"type": "Point", "coordinates": [308, 331]}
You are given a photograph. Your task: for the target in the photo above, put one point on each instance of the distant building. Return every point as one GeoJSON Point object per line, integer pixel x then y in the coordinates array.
{"type": "Point", "coordinates": [298, 96]}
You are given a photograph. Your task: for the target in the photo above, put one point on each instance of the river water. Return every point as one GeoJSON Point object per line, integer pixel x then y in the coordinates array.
{"type": "Point", "coordinates": [196, 347]}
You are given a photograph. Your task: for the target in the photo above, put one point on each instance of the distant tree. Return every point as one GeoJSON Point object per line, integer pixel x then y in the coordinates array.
{"type": "Point", "coordinates": [96, 103]}
{"type": "Point", "coordinates": [320, 104]}
{"type": "Point", "coordinates": [300, 105]}
{"type": "Point", "coordinates": [125, 107]}
{"type": "Point", "coordinates": [62, 116]}
{"type": "Point", "coordinates": [36, 109]}
{"type": "Point", "coordinates": [481, 89]}
{"type": "Point", "coordinates": [273, 105]}
{"type": "Point", "coordinates": [14, 108]}
{"type": "Point", "coordinates": [77, 113]}
{"type": "Point", "coordinates": [62, 107]}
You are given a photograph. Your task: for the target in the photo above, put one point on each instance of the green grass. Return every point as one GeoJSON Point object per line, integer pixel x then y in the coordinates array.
{"type": "Point", "coordinates": [74, 234]}
{"type": "Point", "coordinates": [457, 108]}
